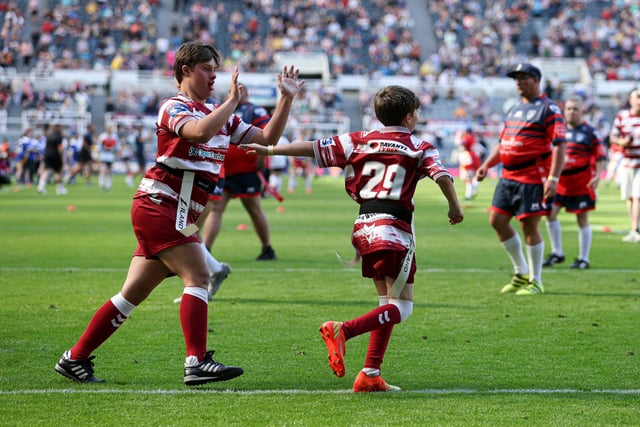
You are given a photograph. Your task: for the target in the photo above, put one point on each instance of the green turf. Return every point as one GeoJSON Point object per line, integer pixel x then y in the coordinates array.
{"type": "Point", "coordinates": [467, 356]}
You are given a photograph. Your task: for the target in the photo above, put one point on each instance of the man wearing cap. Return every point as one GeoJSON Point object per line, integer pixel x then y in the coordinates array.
{"type": "Point", "coordinates": [531, 150]}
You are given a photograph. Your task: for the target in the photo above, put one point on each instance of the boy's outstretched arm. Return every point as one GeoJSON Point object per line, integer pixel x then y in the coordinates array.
{"type": "Point", "coordinates": [455, 212]}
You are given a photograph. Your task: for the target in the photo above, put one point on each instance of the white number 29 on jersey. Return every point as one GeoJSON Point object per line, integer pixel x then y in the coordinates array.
{"type": "Point", "coordinates": [386, 181]}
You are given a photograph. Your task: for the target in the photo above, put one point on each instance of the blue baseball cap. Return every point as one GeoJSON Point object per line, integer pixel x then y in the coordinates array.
{"type": "Point", "coordinates": [525, 68]}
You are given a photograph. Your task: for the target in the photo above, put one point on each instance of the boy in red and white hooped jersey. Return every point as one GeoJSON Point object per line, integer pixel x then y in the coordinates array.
{"type": "Point", "coordinates": [625, 132]}
{"type": "Point", "coordinates": [531, 150]}
{"type": "Point", "coordinates": [381, 169]}
{"type": "Point", "coordinates": [170, 203]}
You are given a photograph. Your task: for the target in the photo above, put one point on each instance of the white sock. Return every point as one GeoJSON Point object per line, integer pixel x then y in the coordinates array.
{"type": "Point", "coordinates": [584, 242]}
{"type": "Point", "coordinates": [535, 255]}
{"type": "Point", "coordinates": [199, 293]}
{"type": "Point", "coordinates": [370, 372]}
{"type": "Point", "coordinates": [554, 229]}
{"type": "Point", "coordinates": [212, 263]}
{"type": "Point", "coordinates": [468, 190]}
{"type": "Point", "coordinates": [513, 247]}
{"type": "Point", "coordinates": [123, 306]}
{"type": "Point", "coordinates": [277, 182]}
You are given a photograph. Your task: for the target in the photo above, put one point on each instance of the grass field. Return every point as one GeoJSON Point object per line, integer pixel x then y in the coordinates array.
{"type": "Point", "coordinates": [467, 356]}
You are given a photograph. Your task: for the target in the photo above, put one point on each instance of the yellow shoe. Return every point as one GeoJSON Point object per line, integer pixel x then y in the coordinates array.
{"type": "Point", "coordinates": [366, 384]}
{"type": "Point", "coordinates": [334, 340]}
{"type": "Point", "coordinates": [517, 282]}
{"type": "Point", "coordinates": [533, 288]}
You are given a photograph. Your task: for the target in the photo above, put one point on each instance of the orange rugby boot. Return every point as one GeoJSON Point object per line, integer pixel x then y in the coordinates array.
{"type": "Point", "coordinates": [334, 339]}
{"type": "Point", "coordinates": [366, 384]}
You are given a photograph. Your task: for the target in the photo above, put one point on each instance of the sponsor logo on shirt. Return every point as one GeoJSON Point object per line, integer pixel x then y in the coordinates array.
{"type": "Point", "coordinates": [199, 152]}
{"type": "Point", "coordinates": [325, 142]}
{"type": "Point", "coordinates": [177, 108]}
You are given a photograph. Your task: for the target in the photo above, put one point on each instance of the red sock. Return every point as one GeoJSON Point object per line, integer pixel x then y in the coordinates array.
{"type": "Point", "coordinates": [377, 318]}
{"type": "Point", "coordinates": [378, 341]}
{"type": "Point", "coordinates": [193, 318]}
{"type": "Point", "coordinates": [103, 323]}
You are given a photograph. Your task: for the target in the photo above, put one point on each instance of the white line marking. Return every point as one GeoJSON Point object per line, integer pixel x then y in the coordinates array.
{"type": "Point", "coordinates": [282, 392]}
{"type": "Point", "coordinates": [311, 270]}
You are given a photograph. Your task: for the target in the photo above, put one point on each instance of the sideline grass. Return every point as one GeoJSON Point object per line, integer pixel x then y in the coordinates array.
{"type": "Point", "coordinates": [467, 356]}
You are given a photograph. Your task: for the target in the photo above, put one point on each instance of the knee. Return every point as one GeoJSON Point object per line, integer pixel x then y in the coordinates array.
{"type": "Point", "coordinates": [405, 307]}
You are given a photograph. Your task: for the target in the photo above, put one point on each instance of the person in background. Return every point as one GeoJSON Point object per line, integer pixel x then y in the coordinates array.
{"type": "Point", "coordinates": [27, 158]}
{"type": "Point", "coordinates": [625, 132]}
{"type": "Point", "coordinates": [72, 152]}
{"type": "Point", "coordinates": [382, 170]}
{"type": "Point", "coordinates": [531, 150]}
{"type": "Point", "coordinates": [301, 166]}
{"type": "Point", "coordinates": [615, 156]}
{"type": "Point", "coordinates": [108, 149]}
{"type": "Point", "coordinates": [53, 159]}
{"type": "Point", "coordinates": [241, 180]}
{"type": "Point", "coordinates": [585, 159]}
{"type": "Point", "coordinates": [469, 163]}
{"type": "Point", "coordinates": [5, 163]}
{"type": "Point", "coordinates": [170, 204]}
{"type": "Point", "coordinates": [84, 165]}
{"type": "Point", "coordinates": [277, 167]}
{"type": "Point", "coordinates": [127, 153]}
{"type": "Point", "coordinates": [141, 138]}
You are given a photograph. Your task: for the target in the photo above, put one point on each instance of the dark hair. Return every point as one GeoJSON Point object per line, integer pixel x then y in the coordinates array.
{"type": "Point", "coordinates": [192, 53]}
{"type": "Point", "coordinates": [393, 103]}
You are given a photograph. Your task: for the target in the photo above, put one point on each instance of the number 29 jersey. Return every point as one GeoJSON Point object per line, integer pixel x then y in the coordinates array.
{"type": "Point", "coordinates": [383, 165]}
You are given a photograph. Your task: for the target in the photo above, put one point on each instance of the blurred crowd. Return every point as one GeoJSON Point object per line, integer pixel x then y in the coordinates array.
{"type": "Point", "coordinates": [363, 37]}
{"type": "Point", "coordinates": [484, 41]}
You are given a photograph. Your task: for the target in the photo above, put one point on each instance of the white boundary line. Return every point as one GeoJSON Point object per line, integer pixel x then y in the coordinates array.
{"type": "Point", "coordinates": [311, 270]}
{"type": "Point", "coordinates": [296, 391]}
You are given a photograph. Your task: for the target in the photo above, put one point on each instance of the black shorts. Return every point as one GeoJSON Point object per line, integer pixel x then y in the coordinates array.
{"type": "Point", "coordinates": [53, 161]}
{"type": "Point", "coordinates": [84, 156]}
{"type": "Point", "coordinates": [575, 204]}
{"type": "Point", "coordinates": [243, 185]}
{"type": "Point", "coordinates": [519, 200]}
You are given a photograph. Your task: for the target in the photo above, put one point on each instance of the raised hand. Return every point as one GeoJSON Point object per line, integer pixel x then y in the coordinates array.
{"type": "Point", "coordinates": [288, 82]}
{"type": "Point", "coordinates": [234, 89]}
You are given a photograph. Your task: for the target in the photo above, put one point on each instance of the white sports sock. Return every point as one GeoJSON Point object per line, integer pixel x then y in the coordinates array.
{"type": "Point", "coordinates": [370, 372]}
{"type": "Point", "coordinates": [584, 242]}
{"type": "Point", "coordinates": [212, 264]}
{"type": "Point", "coordinates": [199, 293]}
{"type": "Point", "coordinates": [275, 181]}
{"type": "Point", "coordinates": [513, 247]}
{"type": "Point", "coordinates": [554, 229]}
{"type": "Point", "coordinates": [535, 254]}
{"type": "Point", "coordinates": [123, 306]}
